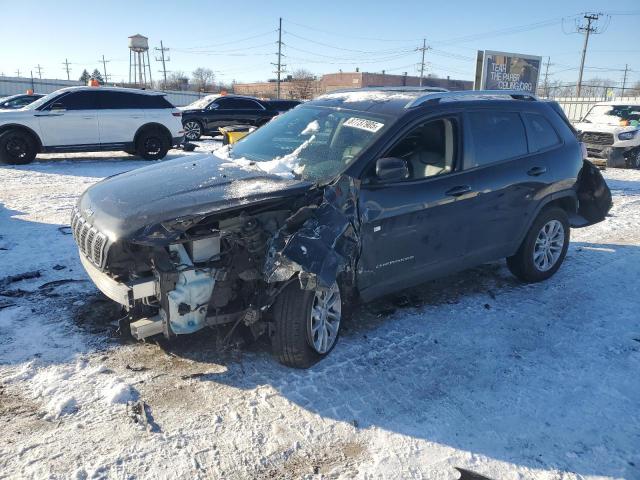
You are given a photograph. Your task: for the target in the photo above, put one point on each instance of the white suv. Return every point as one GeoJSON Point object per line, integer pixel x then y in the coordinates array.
{"type": "Point", "coordinates": [86, 119]}
{"type": "Point", "coordinates": [612, 135]}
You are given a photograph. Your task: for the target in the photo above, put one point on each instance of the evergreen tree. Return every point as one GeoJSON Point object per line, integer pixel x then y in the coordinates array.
{"type": "Point", "coordinates": [98, 76]}
{"type": "Point", "coordinates": [85, 77]}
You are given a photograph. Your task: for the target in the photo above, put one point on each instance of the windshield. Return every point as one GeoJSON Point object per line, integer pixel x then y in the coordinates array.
{"type": "Point", "coordinates": [613, 114]}
{"type": "Point", "coordinates": [311, 143]}
{"type": "Point", "coordinates": [42, 100]}
{"type": "Point", "coordinates": [202, 103]}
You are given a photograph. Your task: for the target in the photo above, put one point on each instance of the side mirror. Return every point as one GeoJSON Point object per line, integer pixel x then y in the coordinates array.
{"type": "Point", "coordinates": [390, 169]}
{"type": "Point", "coordinates": [57, 107]}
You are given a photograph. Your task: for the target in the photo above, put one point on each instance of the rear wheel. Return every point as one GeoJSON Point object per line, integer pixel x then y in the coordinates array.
{"type": "Point", "coordinates": [152, 144]}
{"type": "Point", "coordinates": [633, 161]}
{"type": "Point", "coordinates": [307, 324]}
{"type": "Point", "coordinates": [17, 147]}
{"type": "Point", "coordinates": [192, 130]}
{"type": "Point", "coordinates": [544, 248]}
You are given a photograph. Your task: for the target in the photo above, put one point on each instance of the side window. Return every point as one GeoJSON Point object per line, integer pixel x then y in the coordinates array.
{"type": "Point", "coordinates": [496, 136]}
{"type": "Point", "coordinates": [429, 149]}
{"type": "Point", "coordinates": [540, 133]}
{"type": "Point", "coordinates": [109, 100]}
{"type": "Point", "coordinates": [237, 104]}
{"type": "Point", "coordinates": [84, 100]}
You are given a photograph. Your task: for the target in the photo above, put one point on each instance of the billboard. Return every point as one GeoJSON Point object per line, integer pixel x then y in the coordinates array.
{"type": "Point", "coordinates": [506, 71]}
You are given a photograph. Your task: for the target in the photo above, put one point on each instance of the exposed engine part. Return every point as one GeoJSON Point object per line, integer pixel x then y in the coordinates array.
{"type": "Point", "coordinates": [204, 250]}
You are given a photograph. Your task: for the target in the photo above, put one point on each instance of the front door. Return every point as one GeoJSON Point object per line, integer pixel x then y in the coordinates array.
{"type": "Point", "coordinates": [416, 228]}
{"type": "Point", "coordinates": [70, 120]}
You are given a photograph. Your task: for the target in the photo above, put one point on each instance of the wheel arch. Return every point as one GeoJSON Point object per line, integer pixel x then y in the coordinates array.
{"type": "Point", "coordinates": [24, 128]}
{"type": "Point", "coordinates": [153, 126]}
{"type": "Point", "coordinates": [566, 200]}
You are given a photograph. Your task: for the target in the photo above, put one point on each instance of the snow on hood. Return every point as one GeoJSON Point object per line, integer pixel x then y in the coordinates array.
{"type": "Point", "coordinates": [602, 127]}
{"type": "Point", "coordinates": [366, 96]}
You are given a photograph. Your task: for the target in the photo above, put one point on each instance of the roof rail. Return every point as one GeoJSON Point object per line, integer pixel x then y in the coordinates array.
{"type": "Point", "coordinates": [436, 97]}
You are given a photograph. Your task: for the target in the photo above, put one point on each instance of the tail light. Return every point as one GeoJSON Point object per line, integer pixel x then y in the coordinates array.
{"type": "Point", "coordinates": [176, 114]}
{"type": "Point", "coordinates": [583, 148]}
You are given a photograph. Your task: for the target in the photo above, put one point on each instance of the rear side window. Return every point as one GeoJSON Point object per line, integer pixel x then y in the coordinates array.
{"type": "Point", "coordinates": [496, 136]}
{"type": "Point", "coordinates": [121, 100]}
{"type": "Point", "coordinates": [540, 133]}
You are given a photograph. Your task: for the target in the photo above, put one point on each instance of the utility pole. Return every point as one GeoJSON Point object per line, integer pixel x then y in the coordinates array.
{"type": "Point", "coordinates": [39, 68]}
{"type": "Point", "coordinates": [162, 58]}
{"type": "Point", "coordinates": [279, 65]}
{"type": "Point", "coordinates": [424, 48]}
{"type": "Point", "coordinates": [587, 30]}
{"type": "Point", "coordinates": [17, 72]}
{"type": "Point", "coordinates": [546, 78]}
{"type": "Point", "coordinates": [66, 67]}
{"type": "Point", "coordinates": [104, 69]}
{"type": "Point", "coordinates": [624, 80]}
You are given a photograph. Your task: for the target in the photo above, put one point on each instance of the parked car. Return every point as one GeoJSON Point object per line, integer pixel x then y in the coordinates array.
{"type": "Point", "coordinates": [87, 119]}
{"type": "Point", "coordinates": [348, 197]}
{"type": "Point", "coordinates": [206, 116]}
{"type": "Point", "coordinates": [610, 131]}
{"type": "Point", "coordinates": [18, 101]}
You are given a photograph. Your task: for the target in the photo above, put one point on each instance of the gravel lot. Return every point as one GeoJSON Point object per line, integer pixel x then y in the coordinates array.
{"type": "Point", "coordinates": [476, 370]}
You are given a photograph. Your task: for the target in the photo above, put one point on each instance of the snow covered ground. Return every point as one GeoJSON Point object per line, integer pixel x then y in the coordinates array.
{"type": "Point", "coordinates": [476, 370]}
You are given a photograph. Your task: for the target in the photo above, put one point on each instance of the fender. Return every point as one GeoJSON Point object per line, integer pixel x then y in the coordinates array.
{"type": "Point", "coordinates": [9, 126]}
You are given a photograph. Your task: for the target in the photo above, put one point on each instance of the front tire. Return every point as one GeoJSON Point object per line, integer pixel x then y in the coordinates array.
{"type": "Point", "coordinates": [543, 249]}
{"type": "Point", "coordinates": [152, 145]}
{"type": "Point", "coordinates": [17, 147]}
{"type": "Point", "coordinates": [192, 130]}
{"type": "Point", "coordinates": [307, 324]}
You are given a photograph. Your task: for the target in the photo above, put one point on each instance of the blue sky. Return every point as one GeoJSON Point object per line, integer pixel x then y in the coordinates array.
{"type": "Point", "coordinates": [237, 39]}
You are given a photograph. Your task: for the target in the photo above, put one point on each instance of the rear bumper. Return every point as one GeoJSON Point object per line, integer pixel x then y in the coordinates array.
{"type": "Point", "coordinates": [123, 293]}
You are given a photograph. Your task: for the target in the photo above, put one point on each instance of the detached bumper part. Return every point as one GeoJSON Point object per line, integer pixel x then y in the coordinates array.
{"type": "Point", "coordinates": [123, 293]}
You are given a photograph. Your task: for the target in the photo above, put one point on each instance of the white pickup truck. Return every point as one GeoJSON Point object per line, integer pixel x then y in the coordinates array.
{"type": "Point", "coordinates": [611, 132]}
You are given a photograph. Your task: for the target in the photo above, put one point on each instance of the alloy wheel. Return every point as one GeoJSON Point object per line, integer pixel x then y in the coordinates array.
{"type": "Point", "coordinates": [152, 145]}
{"type": "Point", "coordinates": [324, 319]}
{"type": "Point", "coordinates": [192, 130]}
{"type": "Point", "coordinates": [548, 246]}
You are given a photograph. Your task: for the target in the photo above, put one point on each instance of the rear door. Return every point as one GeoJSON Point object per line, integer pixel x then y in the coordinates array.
{"type": "Point", "coordinates": [510, 174]}
{"type": "Point", "coordinates": [235, 111]}
{"type": "Point", "coordinates": [120, 114]}
{"type": "Point", "coordinates": [70, 120]}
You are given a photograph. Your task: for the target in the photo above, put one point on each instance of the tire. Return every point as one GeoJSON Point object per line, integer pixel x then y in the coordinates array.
{"type": "Point", "coordinates": [192, 130]}
{"type": "Point", "coordinates": [540, 255]}
{"type": "Point", "coordinates": [633, 161]}
{"type": "Point", "coordinates": [17, 147]}
{"type": "Point", "coordinates": [294, 341]}
{"type": "Point", "coordinates": [152, 144]}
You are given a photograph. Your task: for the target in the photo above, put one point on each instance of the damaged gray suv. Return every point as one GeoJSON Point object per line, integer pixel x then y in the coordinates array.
{"type": "Point", "coordinates": [348, 197]}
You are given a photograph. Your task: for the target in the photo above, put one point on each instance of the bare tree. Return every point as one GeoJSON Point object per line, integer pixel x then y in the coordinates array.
{"type": "Point", "coordinates": [302, 84]}
{"type": "Point", "coordinates": [597, 87]}
{"type": "Point", "coordinates": [177, 81]}
{"type": "Point", "coordinates": [203, 79]}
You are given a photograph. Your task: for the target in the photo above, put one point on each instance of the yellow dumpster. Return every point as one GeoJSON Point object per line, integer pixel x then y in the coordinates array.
{"type": "Point", "coordinates": [234, 133]}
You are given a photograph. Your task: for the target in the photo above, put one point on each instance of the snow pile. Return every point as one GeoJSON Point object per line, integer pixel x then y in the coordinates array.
{"type": "Point", "coordinates": [366, 96]}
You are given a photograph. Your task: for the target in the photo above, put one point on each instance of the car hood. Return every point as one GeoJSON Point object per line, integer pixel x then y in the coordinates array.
{"type": "Point", "coordinates": [602, 127]}
{"type": "Point", "coordinates": [194, 186]}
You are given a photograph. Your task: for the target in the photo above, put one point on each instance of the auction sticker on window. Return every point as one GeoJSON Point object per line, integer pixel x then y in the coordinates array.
{"type": "Point", "coordinates": [363, 124]}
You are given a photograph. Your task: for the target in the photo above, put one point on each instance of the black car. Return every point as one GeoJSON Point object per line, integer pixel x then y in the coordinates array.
{"type": "Point", "coordinates": [18, 101]}
{"type": "Point", "coordinates": [348, 197]}
{"type": "Point", "coordinates": [207, 115]}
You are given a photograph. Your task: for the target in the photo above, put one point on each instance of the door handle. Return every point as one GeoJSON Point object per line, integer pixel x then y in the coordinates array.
{"type": "Point", "coordinates": [457, 191]}
{"type": "Point", "coordinates": [535, 171]}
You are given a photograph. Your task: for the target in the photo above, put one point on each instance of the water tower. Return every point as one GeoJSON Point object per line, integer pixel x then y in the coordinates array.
{"type": "Point", "coordinates": [138, 64]}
